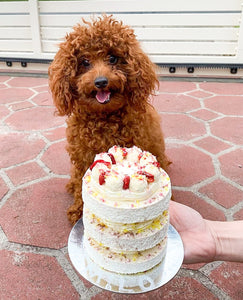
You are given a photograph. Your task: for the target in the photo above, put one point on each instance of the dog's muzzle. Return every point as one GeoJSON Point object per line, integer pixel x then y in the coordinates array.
{"type": "Point", "coordinates": [101, 82]}
{"type": "Point", "coordinates": [101, 95]}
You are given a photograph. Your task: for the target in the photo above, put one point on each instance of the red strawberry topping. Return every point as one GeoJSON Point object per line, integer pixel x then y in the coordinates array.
{"type": "Point", "coordinates": [150, 177]}
{"type": "Point", "coordinates": [102, 178]}
{"type": "Point", "coordinates": [156, 164]}
{"type": "Point", "coordinates": [124, 152]}
{"type": "Point", "coordinates": [108, 164]}
{"type": "Point", "coordinates": [112, 158]}
{"type": "Point", "coordinates": [126, 182]}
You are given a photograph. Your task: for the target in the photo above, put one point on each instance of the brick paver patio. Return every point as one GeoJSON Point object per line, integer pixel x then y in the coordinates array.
{"type": "Point", "coordinates": [203, 126]}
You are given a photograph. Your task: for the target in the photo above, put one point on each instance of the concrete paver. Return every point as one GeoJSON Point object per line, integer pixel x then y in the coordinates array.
{"type": "Point", "coordinates": [203, 127]}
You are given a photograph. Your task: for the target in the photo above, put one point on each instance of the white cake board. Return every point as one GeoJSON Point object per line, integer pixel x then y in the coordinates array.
{"type": "Point", "coordinates": [127, 284]}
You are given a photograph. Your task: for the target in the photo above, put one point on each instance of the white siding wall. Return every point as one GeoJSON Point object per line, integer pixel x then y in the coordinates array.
{"type": "Point", "coordinates": [175, 31]}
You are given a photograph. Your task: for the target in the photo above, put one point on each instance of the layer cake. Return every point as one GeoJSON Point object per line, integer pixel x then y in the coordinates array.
{"type": "Point", "coordinates": [126, 197]}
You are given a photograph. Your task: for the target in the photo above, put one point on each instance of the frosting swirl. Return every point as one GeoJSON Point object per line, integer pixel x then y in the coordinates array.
{"type": "Point", "coordinates": [125, 169]}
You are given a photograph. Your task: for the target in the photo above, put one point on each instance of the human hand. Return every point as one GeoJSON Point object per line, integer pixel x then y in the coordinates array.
{"type": "Point", "coordinates": [196, 234]}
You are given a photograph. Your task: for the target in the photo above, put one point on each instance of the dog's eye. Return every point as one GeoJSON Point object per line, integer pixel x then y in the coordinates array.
{"type": "Point", "coordinates": [85, 63]}
{"type": "Point", "coordinates": [113, 59]}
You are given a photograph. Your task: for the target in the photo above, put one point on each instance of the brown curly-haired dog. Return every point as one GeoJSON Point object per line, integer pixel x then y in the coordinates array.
{"type": "Point", "coordinates": [101, 79]}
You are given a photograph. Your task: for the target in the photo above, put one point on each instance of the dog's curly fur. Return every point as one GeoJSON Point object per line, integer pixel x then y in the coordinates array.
{"type": "Point", "coordinates": [102, 49]}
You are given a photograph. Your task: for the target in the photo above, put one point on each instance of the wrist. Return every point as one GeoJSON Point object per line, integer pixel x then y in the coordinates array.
{"type": "Point", "coordinates": [228, 240]}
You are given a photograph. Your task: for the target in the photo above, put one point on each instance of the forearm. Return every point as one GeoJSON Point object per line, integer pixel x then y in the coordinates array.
{"type": "Point", "coordinates": [228, 238]}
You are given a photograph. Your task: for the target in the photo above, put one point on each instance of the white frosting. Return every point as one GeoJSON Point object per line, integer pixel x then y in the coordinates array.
{"type": "Point", "coordinates": [126, 262]}
{"type": "Point", "coordinates": [152, 169]}
{"type": "Point", "coordinates": [129, 169]}
{"type": "Point", "coordinates": [141, 192]}
{"type": "Point", "coordinates": [125, 211]}
{"type": "Point", "coordinates": [114, 181]}
{"type": "Point", "coordinates": [133, 154]}
{"type": "Point", "coordinates": [138, 183]}
{"type": "Point", "coordinates": [103, 156]}
{"type": "Point", "coordinates": [146, 158]}
{"type": "Point", "coordinates": [118, 153]}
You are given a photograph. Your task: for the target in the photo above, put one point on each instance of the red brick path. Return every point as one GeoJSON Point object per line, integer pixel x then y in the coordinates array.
{"type": "Point", "coordinates": [203, 126]}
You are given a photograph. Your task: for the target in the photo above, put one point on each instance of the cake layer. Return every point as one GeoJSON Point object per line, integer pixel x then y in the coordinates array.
{"type": "Point", "coordinates": [126, 237]}
{"type": "Point", "coordinates": [132, 211]}
{"type": "Point", "coordinates": [142, 281]}
{"type": "Point", "coordinates": [125, 262]}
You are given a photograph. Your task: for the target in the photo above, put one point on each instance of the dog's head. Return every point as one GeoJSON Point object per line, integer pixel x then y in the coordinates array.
{"type": "Point", "coordinates": [100, 67]}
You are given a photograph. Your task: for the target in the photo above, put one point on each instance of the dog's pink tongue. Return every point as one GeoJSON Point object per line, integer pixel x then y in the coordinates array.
{"type": "Point", "coordinates": [103, 96]}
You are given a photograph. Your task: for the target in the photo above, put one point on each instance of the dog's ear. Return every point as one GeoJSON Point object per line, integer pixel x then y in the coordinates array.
{"type": "Point", "coordinates": [142, 78]}
{"type": "Point", "coordinates": [62, 72]}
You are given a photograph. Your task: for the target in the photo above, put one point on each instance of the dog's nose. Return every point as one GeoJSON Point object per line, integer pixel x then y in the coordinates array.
{"type": "Point", "coordinates": [101, 82]}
